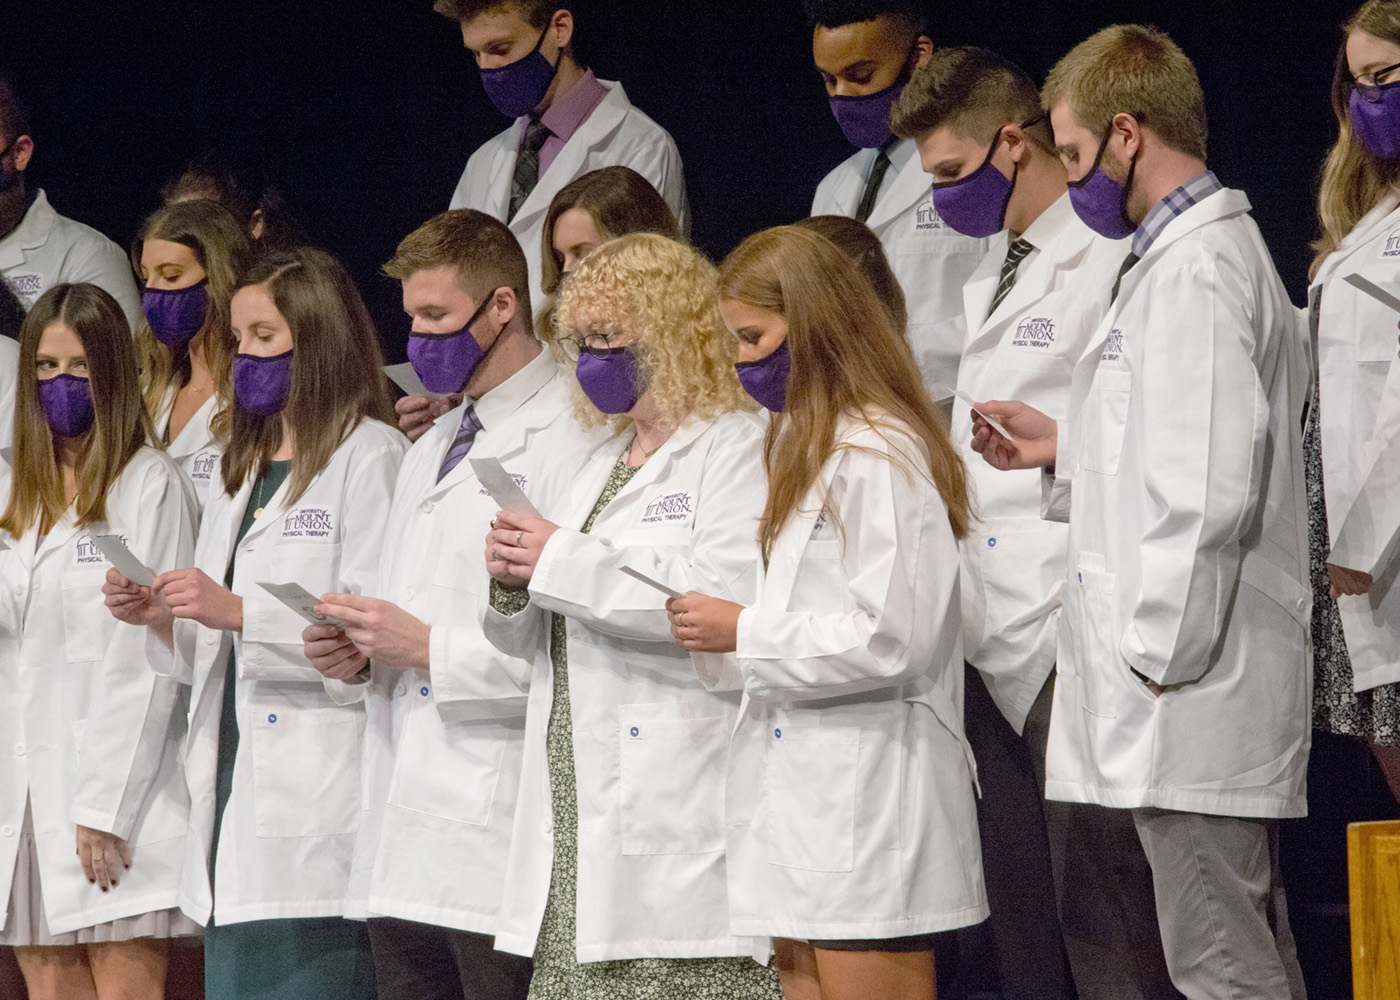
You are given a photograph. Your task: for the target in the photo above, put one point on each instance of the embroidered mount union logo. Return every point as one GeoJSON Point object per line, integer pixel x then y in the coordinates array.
{"type": "Point", "coordinates": [88, 552]}
{"type": "Point", "coordinates": [671, 507]}
{"type": "Point", "coordinates": [204, 465]}
{"type": "Point", "coordinates": [1038, 331]}
{"type": "Point", "coordinates": [1113, 346]}
{"type": "Point", "coordinates": [308, 522]}
{"type": "Point", "coordinates": [926, 216]}
{"type": "Point", "coordinates": [1392, 245]}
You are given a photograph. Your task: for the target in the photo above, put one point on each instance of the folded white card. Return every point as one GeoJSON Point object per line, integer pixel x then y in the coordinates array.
{"type": "Point", "coordinates": [655, 584]}
{"type": "Point", "coordinates": [972, 403]}
{"type": "Point", "coordinates": [300, 600]}
{"type": "Point", "coordinates": [122, 558]}
{"type": "Point", "coordinates": [503, 489]}
{"type": "Point", "coordinates": [407, 379]}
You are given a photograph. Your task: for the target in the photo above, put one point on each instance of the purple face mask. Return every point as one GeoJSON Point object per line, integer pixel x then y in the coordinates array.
{"type": "Point", "coordinates": [1377, 123]}
{"type": "Point", "coordinates": [517, 88]}
{"type": "Point", "coordinates": [445, 362]}
{"type": "Point", "coordinates": [865, 120]}
{"type": "Point", "coordinates": [975, 205]}
{"type": "Point", "coordinates": [610, 379]}
{"type": "Point", "coordinates": [1101, 202]}
{"type": "Point", "coordinates": [261, 385]}
{"type": "Point", "coordinates": [175, 315]}
{"type": "Point", "coordinates": [766, 379]}
{"type": "Point", "coordinates": [67, 404]}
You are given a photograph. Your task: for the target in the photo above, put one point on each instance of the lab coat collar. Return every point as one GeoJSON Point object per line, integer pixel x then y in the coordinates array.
{"type": "Point", "coordinates": [604, 120]}
{"type": "Point", "coordinates": [32, 232]}
{"type": "Point", "coordinates": [600, 464]}
{"type": "Point", "coordinates": [1059, 239]}
{"type": "Point", "coordinates": [60, 535]}
{"type": "Point", "coordinates": [911, 185]}
{"type": "Point", "coordinates": [1223, 204]}
{"type": "Point", "coordinates": [196, 425]}
{"type": "Point", "coordinates": [1372, 224]}
{"type": "Point", "coordinates": [494, 410]}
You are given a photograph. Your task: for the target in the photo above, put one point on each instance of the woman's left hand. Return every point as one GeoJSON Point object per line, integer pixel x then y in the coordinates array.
{"type": "Point", "coordinates": [514, 546]}
{"type": "Point", "coordinates": [1348, 582]}
{"type": "Point", "coordinates": [103, 856]}
{"type": "Point", "coordinates": [703, 624]}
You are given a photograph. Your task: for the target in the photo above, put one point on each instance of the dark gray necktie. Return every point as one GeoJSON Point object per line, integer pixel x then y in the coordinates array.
{"type": "Point", "coordinates": [527, 164]}
{"type": "Point", "coordinates": [1016, 251]}
{"type": "Point", "coordinates": [876, 177]}
{"type": "Point", "coordinates": [1128, 263]}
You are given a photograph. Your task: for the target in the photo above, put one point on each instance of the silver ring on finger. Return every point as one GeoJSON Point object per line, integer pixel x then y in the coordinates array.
{"type": "Point", "coordinates": [680, 619]}
{"type": "Point", "coordinates": [518, 536]}
{"type": "Point", "coordinates": [495, 556]}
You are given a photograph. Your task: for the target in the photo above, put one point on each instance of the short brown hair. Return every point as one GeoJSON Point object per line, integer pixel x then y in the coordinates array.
{"type": "Point", "coordinates": [858, 241]}
{"type": "Point", "coordinates": [970, 91]}
{"type": "Point", "coordinates": [120, 425]}
{"type": "Point", "coordinates": [1137, 70]}
{"type": "Point", "coordinates": [484, 253]}
{"type": "Point", "coordinates": [535, 12]}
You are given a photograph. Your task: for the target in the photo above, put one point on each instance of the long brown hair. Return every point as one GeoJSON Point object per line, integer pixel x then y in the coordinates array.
{"type": "Point", "coordinates": [337, 370]}
{"type": "Point", "coordinates": [858, 241]}
{"type": "Point", "coordinates": [1354, 180]}
{"type": "Point", "coordinates": [847, 360]}
{"type": "Point", "coordinates": [220, 245]}
{"type": "Point", "coordinates": [119, 427]}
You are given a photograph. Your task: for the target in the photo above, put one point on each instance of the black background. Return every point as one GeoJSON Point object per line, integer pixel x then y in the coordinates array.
{"type": "Point", "coordinates": [363, 112]}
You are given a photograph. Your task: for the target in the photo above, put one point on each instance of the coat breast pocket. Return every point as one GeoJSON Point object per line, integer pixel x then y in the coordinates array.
{"type": "Point", "coordinates": [314, 565]}
{"type": "Point", "coordinates": [811, 796]}
{"type": "Point", "coordinates": [306, 771]}
{"type": "Point", "coordinates": [672, 775]}
{"type": "Point", "coordinates": [85, 631]}
{"type": "Point", "coordinates": [1106, 421]}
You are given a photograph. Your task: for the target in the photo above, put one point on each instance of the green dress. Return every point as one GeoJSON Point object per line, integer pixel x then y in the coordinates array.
{"type": "Point", "coordinates": [558, 973]}
{"type": "Point", "coordinates": [289, 959]}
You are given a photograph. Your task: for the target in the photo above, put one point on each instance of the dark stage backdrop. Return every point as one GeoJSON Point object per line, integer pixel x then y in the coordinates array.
{"type": "Point", "coordinates": [363, 112]}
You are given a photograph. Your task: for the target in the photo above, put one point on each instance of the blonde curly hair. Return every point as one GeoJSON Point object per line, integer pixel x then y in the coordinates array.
{"type": "Point", "coordinates": [665, 295]}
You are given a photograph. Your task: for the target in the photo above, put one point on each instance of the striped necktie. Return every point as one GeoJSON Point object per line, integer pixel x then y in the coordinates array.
{"type": "Point", "coordinates": [1016, 251]}
{"type": "Point", "coordinates": [527, 164]}
{"type": "Point", "coordinates": [462, 443]}
{"type": "Point", "coordinates": [878, 169]}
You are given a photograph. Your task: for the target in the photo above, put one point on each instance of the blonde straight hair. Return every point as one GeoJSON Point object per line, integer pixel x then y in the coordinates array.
{"type": "Point", "coordinates": [847, 360]}
{"type": "Point", "coordinates": [119, 427]}
{"type": "Point", "coordinates": [1353, 180]}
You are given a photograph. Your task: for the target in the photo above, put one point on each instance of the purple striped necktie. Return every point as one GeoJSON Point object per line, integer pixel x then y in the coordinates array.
{"type": "Point", "coordinates": [462, 443]}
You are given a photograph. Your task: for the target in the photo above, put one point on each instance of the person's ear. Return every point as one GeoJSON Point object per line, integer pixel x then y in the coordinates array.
{"type": "Point", "coordinates": [23, 151]}
{"type": "Point", "coordinates": [923, 50]}
{"type": "Point", "coordinates": [504, 305]}
{"type": "Point", "coordinates": [562, 26]}
{"type": "Point", "coordinates": [1127, 135]}
{"type": "Point", "coordinates": [1016, 144]}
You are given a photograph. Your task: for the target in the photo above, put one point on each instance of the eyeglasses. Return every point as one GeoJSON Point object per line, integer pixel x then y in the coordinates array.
{"type": "Point", "coordinates": [596, 344]}
{"type": "Point", "coordinates": [1370, 85]}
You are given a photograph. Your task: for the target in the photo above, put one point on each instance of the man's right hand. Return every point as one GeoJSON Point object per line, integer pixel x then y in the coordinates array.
{"type": "Point", "coordinates": [1034, 436]}
{"type": "Point", "coordinates": [417, 413]}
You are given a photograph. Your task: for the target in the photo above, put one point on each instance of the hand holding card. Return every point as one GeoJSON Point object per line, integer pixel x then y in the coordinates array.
{"type": "Point", "coordinates": [300, 600]}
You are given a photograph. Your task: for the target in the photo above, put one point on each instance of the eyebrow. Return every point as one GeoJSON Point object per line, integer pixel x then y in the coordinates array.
{"type": "Point", "coordinates": [858, 64]}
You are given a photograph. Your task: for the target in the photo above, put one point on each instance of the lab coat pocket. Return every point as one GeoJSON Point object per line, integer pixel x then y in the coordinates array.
{"type": "Point", "coordinates": [316, 566]}
{"type": "Point", "coordinates": [671, 783]}
{"type": "Point", "coordinates": [84, 631]}
{"type": "Point", "coordinates": [811, 795]}
{"type": "Point", "coordinates": [461, 793]}
{"type": "Point", "coordinates": [1100, 660]}
{"type": "Point", "coordinates": [1105, 421]}
{"type": "Point", "coordinates": [306, 765]}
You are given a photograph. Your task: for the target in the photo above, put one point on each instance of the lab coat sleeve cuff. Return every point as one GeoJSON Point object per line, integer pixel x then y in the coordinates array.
{"type": "Point", "coordinates": [96, 819]}
{"type": "Point", "coordinates": [471, 682]}
{"type": "Point", "coordinates": [175, 663]}
{"type": "Point", "coordinates": [718, 671]}
{"type": "Point", "coordinates": [345, 692]}
{"type": "Point", "coordinates": [1054, 483]}
{"type": "Point", "coordinates": [1133, 649]}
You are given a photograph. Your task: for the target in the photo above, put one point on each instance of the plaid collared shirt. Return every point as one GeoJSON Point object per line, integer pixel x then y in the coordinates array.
{"type": "Point", "coordinates": [1196, 189]}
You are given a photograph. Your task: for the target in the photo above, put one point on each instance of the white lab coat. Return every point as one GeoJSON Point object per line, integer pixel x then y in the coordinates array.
{"type": "Point", "coordinates": [92, 734]}
{"type": "Point", "coordinates": [443, 745]}
{"type": "Point", "coordinates": [650, 743]}
{"type": "Point", "coordinates": [194, 448]}
{"type": "Point", "coordinates": [850, 799]}
{"type": "Point", "coordinates": [931, 259]}
{"type": "Point", "coordinates": [289, 827]}
{"type": "Point", "coordinates": [1359, 384]}
{"type": "Point", "coordinates": [1188, 537]}
{"type": "Point", "coordinates": [1013, 561]}
{"type": "Point", "coordinates": [9, 373]}
{"type": "Point", "coordinates": [48, 249]}
{"type": "Point", "coordinates": [615, 134]}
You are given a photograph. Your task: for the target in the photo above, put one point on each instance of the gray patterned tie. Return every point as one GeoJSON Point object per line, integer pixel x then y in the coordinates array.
{"type": "Point", "coordinates": [1016, 251]}
{"type": "Point", "coordinates": [461, 444]}
{"type": "Point", "coordinates": [527, 164]}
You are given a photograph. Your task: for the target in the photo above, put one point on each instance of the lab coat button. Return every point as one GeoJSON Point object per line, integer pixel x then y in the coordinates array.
{"type": "Point", "coordinates": [777, 734]}
{"type": "Point", "coordinates": [19, 749]}
{"type": "Point", "coordinates": [991, 543]}
{"type": "Point", "coordinates": [211, 638]}
{"type": "Point", "coordinates": [7, 830]}
{"type": "Point", "coordinates": [423, 690]}
{"type": "Point", "coordinates": [1081, 577]}
{"type": "Point", "coordinates": [635, 731]}
{"type": "Point", "coordinates": [427, 507]}
{"type": "Point", "coordinates": [401, 689]}
{"type": "Point", "coordinates": [272, 717]}
{"type": "Point", "coordinates": [548, 827]}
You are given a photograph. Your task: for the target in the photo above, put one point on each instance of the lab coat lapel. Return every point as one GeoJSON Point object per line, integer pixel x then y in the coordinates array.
{"type": "Point", "coordinates": [981, 288]}
{"type": "Point", "coordinates": [273, 509]}
{"type": "Point", "coordinates": [604, 120]}
{"type": "Point", "coordinates": [910, 187]}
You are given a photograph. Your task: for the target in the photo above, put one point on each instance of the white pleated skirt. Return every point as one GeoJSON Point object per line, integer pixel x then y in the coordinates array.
{"type": "Point", "coordinates": [27, 925]}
